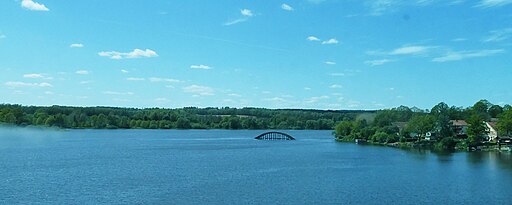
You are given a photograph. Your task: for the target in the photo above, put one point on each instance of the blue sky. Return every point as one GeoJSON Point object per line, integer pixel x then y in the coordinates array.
{"type": "Point", "coordinates": [321, 54]}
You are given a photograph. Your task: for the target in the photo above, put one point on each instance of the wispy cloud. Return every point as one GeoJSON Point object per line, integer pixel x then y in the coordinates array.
{"type": "Point", "coordinates": [316, 99]}
{"type": "Point", "coordinates": [377, 62]}
{"type": "Point", "coordinates": [330, 41]}
{"type": "Point", "coordinates": [337, 74]}
{"type": "Point", "coordinates": [234, 95]}
{"type": "Point", "coordinates": [124, 71]}
{"type": "Point", "coordinates": [498, 35]}
{"type": "Point", "coordinates": [335, 86]}
{"type": "Point", "coordinates": [14, 84]}
{"type": "Point", "coordinates": [229, 23]}
{"type": "Point", "coordinates": [312, 38]}
{"type": "Point", "coordinates": [117, 93]}
{"type": "Point", "coordinates": [379, 7]}
{"type": "Point", "coordinates": [286, 7]}
{"type": "Point", "coordinates": [459, 39]}
{"type": "Point", "coordinates": [136, 53]}
{"type": "Point", "coordinates": [461, 55]}
{"type": "Point", "coordinates": [76, 45]}
{"type": "Point", "coordinates": [493, 3]}
{"type": "Point", "coordinates": [2, 36]}
{"type": "Point", "coordinates": [199, 90]}
{"type": "Point", "coordinates": [275, 99]}
{"type": "Point", "coordinates": [37, 75]}
{"type": "Point", "coordinates": [82, 72]}
{"type": "Point", "coordinates": [330, 62]}
{"type": "Point", "coordinates": [34, 6]}
{"type": "Point", "coordinates": [135, 79]}
{"type": "Point", "coordinates": [168, 80]}
{"type": "Point", "coordinates": [246, 14]}
{"type": "Point", "coordinates": [204, 67]}
{"type": "Point", "coordinates": [410, 50]}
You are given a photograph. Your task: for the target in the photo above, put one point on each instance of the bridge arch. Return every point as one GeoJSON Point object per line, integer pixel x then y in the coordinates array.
{"type": "Point", "coordinates": [274, 136]}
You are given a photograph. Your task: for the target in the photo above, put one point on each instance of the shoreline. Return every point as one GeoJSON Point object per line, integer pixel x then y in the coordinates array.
{"type": "Point", "coordinates": [428, 145]}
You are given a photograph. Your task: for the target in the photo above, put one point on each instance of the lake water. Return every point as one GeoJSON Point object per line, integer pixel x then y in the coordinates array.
{"type": "Point", "coordinates": [230, 167]}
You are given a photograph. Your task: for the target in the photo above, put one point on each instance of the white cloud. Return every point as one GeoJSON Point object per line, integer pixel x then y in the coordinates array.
{"type": "Point", "coordinates": [337, 74]}
{"type": "Point", "coordinates": [34, 6]}
{"type": "Point", "coordinates": [498, 35]}
{"type": "Point", "coordinates": [461, 55]}
{"type": "Point", "coordinates": [307, 88]}
{"type": "Point", "coordinates": [33, 75]}
{"type": "Point", "coordinates": [124, 71]}
{"type": "Point", "coordinates": [246, 12]}
{"type": "Point", "coordinates": [313, 38]}
{"type": "Point", "coordinates": [135, 79]}
{"type": "Point", "coordinates": [82, 72]}
{"type": "Point", "coordinates": [378, 62]}
{"type": "Point", "coordinates": [76, 45]}
{"type": "Point", "coordinates": [286, 7]}
{"type": "Point", "coordinates": [330, 41]}
{"type": "Point", "coordinates": [409, 50]}
{"type": "Point", "coordinates": [459, 39]}
{"type": "Point", "coordinates": [169, 80]}
{"type": "Point", "coordinates": [23, 84]}
{"type": "Point", "coordinates": [199, 90]}
{"type": "Point", "coordinates": [205, 67]}
{"type": "Point", "coordinates": [234, 95]}
{"type": "Point", "coordinates": [117, 93]}
{"type": "Point", "coordinates": [330, 63]}
{"type": "Point", "coordinates": [493, 3]}
{"type": "Point", "coordinates": [136, 53]}
{"type": "Point", "coordinates": [334, 86]}
{"type": "Point", "coordinates": [162, 100]}
{"type": "Point", "coordinates": [316, 99]}
{"type": "Point", "coordinates": [379, 7]}
{"type": "Point", "coordinates": [86, 82]}
{"type": "Point", "coordinates": [275, 99]}
{"type": "Point", "coordinates": [229, 23]}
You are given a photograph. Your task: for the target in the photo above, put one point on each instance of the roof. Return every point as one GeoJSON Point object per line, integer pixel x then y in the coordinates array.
{"type": "Point", "coordinates": [459, 122]}
{"type": "Point", "coordinates": [492, 124]}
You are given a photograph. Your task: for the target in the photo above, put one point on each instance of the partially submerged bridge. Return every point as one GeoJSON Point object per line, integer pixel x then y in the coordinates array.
{"type": "Point", "coordinates": [274, 136]}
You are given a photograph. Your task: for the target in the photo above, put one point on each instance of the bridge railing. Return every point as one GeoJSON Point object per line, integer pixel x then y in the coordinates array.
{"type": "Point", "coordinates": [274, 136]}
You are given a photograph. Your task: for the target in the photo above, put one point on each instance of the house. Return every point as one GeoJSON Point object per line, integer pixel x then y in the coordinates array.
{"type": "Point", "coordinates": [492, 131]}
{"type": "Point", "coordinates": [460, 128]}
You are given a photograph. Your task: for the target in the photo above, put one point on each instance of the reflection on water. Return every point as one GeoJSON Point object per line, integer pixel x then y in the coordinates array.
{"type": "Point", "coordinates": [230, 167]}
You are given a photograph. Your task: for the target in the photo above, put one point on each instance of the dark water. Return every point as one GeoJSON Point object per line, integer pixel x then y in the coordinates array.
{"type": "Point", "coordinates": [229, 167]}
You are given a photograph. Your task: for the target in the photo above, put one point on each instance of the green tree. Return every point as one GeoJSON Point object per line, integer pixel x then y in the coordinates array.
{"type": "Point", "coordinates": [421, 124]}
{"type": "Point", "coordinates": [505, 122]}
{"type": "Point", "coordinates": [476, 129]}
{"type": "Point", "coordinates": [343, 129]}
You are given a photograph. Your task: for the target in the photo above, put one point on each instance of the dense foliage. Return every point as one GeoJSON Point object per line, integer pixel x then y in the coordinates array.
{"type": "Point", "coordinates": [182, 118]}
{"type": "Point", "coordinates": [411, 125]}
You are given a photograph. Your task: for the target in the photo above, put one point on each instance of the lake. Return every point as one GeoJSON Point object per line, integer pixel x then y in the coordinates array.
{"type": "Point", "coordinates": [230, 167]}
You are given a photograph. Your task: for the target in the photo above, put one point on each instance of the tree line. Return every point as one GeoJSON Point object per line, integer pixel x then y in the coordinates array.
{"type": "Point", "coordinates": [180, 118]}
{"type": "Point", "coordinates": [385, 128]}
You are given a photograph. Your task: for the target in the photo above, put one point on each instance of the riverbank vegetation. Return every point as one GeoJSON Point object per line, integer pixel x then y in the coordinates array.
{"type": "Point", "coordinates": [443, 127]}
{"type": "Point", "coordinates": [181, 118]}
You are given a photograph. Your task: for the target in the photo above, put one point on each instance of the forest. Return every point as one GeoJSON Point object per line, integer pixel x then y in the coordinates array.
{"type": "Point", "coordinates": [180, 118]}
{"type": "Point", "coordinates": [410, 126]}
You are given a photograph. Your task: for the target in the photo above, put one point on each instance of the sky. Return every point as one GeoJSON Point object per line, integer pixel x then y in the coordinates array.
{"type": "Point", "coordinates": [311, 54]}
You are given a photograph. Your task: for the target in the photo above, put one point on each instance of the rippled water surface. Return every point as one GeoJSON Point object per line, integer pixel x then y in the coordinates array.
{"type": "Point", "coordinates": [230, 167]}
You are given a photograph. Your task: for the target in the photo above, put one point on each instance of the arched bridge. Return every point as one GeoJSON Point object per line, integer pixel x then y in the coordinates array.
{"type": "Point", "coordinates": [274, 136]}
